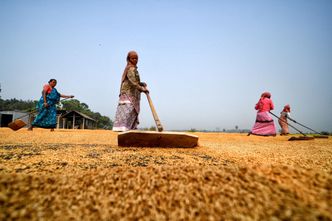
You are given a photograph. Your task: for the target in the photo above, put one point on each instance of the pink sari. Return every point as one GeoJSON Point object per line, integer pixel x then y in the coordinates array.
{"type": "Point", "coordinates": [264, 125]}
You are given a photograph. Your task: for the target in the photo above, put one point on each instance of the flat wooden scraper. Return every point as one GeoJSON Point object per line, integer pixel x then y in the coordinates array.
{"type": "Point", "coordinates": [135, 138]}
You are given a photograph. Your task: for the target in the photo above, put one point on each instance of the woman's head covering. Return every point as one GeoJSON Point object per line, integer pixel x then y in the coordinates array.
{"type": "Point", "coordinates": [286, 108]}
{"type": "Point", "coordinates": [131, 53]}
{"type": "Point", "coordinates": [266, 94]}
{"type": "Point", "coordinates": [129, 65]}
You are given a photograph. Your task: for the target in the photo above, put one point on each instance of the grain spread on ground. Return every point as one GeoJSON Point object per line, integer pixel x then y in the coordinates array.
{"type": "Point", "coordinates": [84, 175]}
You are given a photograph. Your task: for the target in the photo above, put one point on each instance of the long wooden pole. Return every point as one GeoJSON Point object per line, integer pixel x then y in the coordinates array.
{"type": "Point", "coordinates": [154, 113]}
{"type": "Point", "coordinates": [288, 124]}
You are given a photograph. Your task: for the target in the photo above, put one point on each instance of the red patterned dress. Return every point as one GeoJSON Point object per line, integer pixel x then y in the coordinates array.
{"type": "Point", "coordinates": [126, 117]}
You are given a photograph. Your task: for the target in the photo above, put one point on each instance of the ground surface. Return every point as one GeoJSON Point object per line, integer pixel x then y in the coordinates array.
{"type": "Point", "coordinates": [84, 175]}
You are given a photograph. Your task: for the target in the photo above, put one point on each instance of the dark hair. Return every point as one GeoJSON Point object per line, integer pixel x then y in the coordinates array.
{"type": "Point", "coordinates": [51, 80]}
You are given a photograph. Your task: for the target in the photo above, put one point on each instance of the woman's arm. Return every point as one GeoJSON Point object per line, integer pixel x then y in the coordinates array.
{"type": "Point", "coordinates": [141, 86]}
{"type": "Point", "coordinates": [259, 104]}
{"type": "Point", "coordinates": [44, 97]}
{"type": "Point", "coordinates": [66, 96]}
{"type": "Point", "coordinates": [46, 89]}
{"type": "Point", "coordinates": [288, 117]}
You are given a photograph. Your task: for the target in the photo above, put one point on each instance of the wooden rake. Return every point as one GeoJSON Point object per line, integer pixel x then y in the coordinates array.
{"type": "Point", "coordinates": [154, 113]}
{"type": "Point", "coordinates": [304, 137]}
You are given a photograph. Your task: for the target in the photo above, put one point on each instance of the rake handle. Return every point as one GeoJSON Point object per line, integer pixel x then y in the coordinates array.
{"type": "Point", "coordinates": [154, 113]}
{"type": "Point", "coordinates": [288, 124]}
{"type": "Point", "coordinates": [305, 127]}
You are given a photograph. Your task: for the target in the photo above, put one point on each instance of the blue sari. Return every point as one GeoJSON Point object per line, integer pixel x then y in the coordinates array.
{"type": "Point", "coordinates": [46, 117]}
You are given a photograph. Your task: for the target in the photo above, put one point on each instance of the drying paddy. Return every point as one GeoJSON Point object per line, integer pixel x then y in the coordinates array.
{"type": "Point", "coordinates": [84, 175]}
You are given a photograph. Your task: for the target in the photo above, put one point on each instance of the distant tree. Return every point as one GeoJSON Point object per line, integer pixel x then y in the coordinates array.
{"type": "Point", "coordinates": [84, 106]}
{"type": "Point", "coordinates": [192, 130]}
{"type": "Point", "coordinates": [236, 127]}
{"type": "Point", "coordinates": [152, 128]}
{"type": "Point", "coordinates": [72, 104]}
{"type": "Point", "coordinates": [104, 122]}
{"type": "Point", "coordinates": [324, 133]}
{"type": "Point", "coordinates": [14, 104]}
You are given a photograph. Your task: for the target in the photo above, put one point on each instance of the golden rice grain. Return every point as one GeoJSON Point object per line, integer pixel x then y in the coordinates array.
{"type": "Point", "coordinates": [84, 175]}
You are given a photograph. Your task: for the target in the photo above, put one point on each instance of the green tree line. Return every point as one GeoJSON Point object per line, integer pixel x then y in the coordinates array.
{"type": "Point", "coordinates": [14, 104]}
{"type": "Point", "coordinates": [103, 122]}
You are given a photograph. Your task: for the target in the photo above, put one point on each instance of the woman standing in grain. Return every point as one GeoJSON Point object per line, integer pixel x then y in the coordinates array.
{"type": "Point", "coordinates": [284, 116]}
{"type": "Point", "coordinates": [126, 117]}
{"type": "Point", "coordinates": [46, 106]}
{"type": "Point", "coordinates": [264, 125]}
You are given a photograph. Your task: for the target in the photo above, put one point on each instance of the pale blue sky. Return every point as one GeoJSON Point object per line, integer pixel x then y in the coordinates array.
{"type": "Point", "coordinates": [206, 62]}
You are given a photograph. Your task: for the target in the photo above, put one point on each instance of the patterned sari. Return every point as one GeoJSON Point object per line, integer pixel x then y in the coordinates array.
{"type": "Point", "coordinates": [126, 117]}
{"type": "Point", "coordinates": [46, 117]}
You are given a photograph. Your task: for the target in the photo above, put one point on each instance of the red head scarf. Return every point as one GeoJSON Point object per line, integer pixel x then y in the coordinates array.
{"type": "Point", "coordinates": [286, 108]}
{"type": "Point", "coordinates": [266, 94]}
